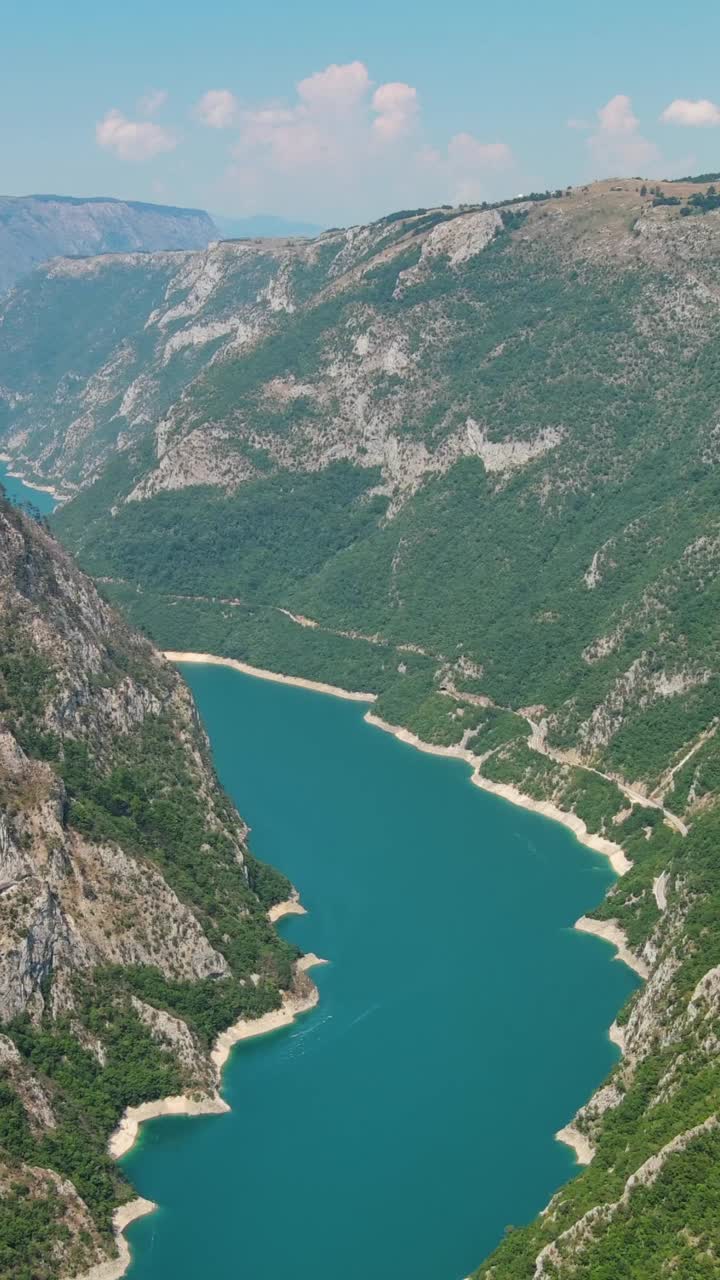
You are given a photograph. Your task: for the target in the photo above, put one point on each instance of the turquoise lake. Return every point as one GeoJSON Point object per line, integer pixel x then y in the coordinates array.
{"type": "Point", "coordinates": [18, 491]}
{"type": "Point", "coordinates": [399, 1127]}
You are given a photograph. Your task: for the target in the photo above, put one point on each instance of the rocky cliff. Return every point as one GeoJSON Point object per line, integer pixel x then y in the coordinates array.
{"type": "Point", "coordinates": [34, 229]}
{"type": "Point", "coordinates": [132, 917]}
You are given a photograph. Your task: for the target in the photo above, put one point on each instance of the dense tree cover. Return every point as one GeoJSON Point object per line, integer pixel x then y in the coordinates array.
{"type": "Point", "coordinates": [702, 202]}
{"type": "Point", "coordinates": [24, 680]}
{"type": "Point", "coordinates": [30, 1225]}
{"type": "Point", "coordinates": [272, 532]}
{"type": "Point", "coordinates": [698, 177]}
{"type": "Point", "coordinates": [89, 1098]}
{"type": "Point", "coordinates": [264, 637]}
{"type": "Point", "coordinates": [670, 1226]}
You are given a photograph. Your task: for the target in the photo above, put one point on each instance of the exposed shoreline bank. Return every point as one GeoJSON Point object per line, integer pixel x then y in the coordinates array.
{"type": "Point", "coordinates": [294, 1003]}
{"type": "Point", "coordinates": [610, 931]}
{"type": "Point", "coordinates": [573, 1138]}
{"type": "Point", "coordinates": [41, 488]}
{"type": "Point", "coordinates": [211, 659]}
{"type": "Point", "coordinates": [292, 906]}
{"type": "Point", "coordinates": [125, 1135]}
{"type": "Point", "coordinates": [115, 1268]}
{"type": "Point", "coordinates": [613, 852]}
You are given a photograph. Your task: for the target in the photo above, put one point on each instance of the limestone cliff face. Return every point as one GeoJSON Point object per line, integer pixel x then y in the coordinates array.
{"type": "Point", "coordinates": [91, 900]}
{"type": "Point", "coordinates": [67, 902]}
{"type": "Point", "coordinates": [198, 353]}
{"type": "Point", "coordinates": [216, 307]}
{"type": "Point", "coordinates": [34, 229]}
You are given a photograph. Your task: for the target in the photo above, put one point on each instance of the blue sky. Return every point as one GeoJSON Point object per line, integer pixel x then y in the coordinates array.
{"type": "Point", "coordinates": [398, 104]}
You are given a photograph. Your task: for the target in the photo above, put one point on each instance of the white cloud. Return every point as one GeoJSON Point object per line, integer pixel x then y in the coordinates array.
{"type": "Point", "coordinates": [697, 114]}
{"type": "Point", "coordinates": [617, 146]}
{"type": "Point", "coordinates": [336, 86]}
{"type": "Point", "coordinates": [326, 129]}
{"type": "Point", "coordinates": [617, 116]}
{"type": "Point", "coordinates": [461, 173]}
{"type": "Point", "coordinates": [288, 140]}
{"type": "Point", "coordinates": [334, 147]}
{"type": "Point", "coordinates": [334, 121]}
{"type": "Point", "coordinates": [468, 153]}
{"type": "Point", "coordinates": [152, 102]}
{"type": "Point", "coordinates": [132, 139]}
{"type": "Point", "coordinates": [468, 165]}
{"type": "Point", "coordinates": [218, 108]}
{"type": "Point", "coordinates": [397, 110]}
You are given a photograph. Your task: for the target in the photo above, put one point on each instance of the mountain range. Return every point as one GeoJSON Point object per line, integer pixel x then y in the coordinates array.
{"type": "Point", "coordinates": [34, 229]}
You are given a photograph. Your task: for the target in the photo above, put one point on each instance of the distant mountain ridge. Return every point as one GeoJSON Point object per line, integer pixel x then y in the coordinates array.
{"type": "Point", "coordinates": [265, 226]}
{"type": "Point", "coordinates": [35, 228]}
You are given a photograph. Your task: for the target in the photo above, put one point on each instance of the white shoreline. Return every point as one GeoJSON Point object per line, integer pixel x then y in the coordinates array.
{"type": "Point", "coordinates": [577, 1141]}
{"type": "Point", "coordinates": [613, 852]}
{"type": "Point", "coordinates": [114, 1268]}
{"type": "Point", "coordinates": [616, 1035]}
{"type": "Point", "coordinates": [211, 659]}
{"type": "Point", "coordinates": [123, 1138]}
{"type": "Point", "coordinates": [610, 931]}
{"type": "Point", "coordinates": [290, 907]}
{"type": "Point", "coordinates": [125, 1135]}
{"type": "Point", "coordinates": [248, 1028]}
{"type": "Point", "coordinates": [41, 488]}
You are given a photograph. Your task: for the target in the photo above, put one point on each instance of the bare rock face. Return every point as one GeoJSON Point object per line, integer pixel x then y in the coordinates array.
{"type": "Point", "coordinates": [34, 1097]}
{"type": "Point", "coordinates": [195, 311]}
{"type": "Point", "coordinates": [175, 1034]}
{"type": "Point", "coordinates": [69, 902]}
{"type": "Point", "coordinates": [36, 228]}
